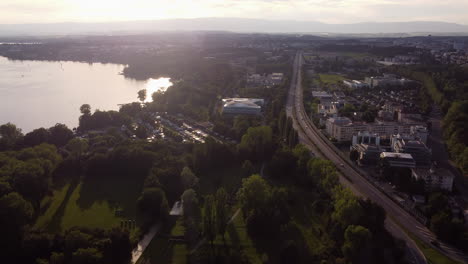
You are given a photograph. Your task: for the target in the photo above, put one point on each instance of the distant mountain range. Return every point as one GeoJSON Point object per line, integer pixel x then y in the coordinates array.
{"type": "Point", "coordinates": [231, 24]}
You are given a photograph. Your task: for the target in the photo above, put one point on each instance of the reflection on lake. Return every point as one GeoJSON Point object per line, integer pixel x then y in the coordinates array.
{"type": "Point", "coordinates": [37, 94]}
{"type": "Point", "coordinates": [155, 85]}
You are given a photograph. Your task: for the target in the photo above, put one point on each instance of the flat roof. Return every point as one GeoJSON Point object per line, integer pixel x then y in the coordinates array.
{"type": "Point", "coordinates": [396, 155]}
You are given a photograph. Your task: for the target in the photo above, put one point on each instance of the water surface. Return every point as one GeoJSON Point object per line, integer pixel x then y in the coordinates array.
{"type": "Point", "coordinates": [37, 94]}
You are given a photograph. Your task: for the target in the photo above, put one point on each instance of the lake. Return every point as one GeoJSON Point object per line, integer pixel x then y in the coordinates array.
{"type": "Point", "coordinates": [37, 94]}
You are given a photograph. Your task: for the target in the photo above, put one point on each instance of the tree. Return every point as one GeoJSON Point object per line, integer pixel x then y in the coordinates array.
{"type": "Point", "coordinates": [153, 206]}
{"type": "Point", "coordinates": [77, 147]}
{"type": "Point", "coordinates": [257, 143]}
{"type": "Point", "coordinates": [31, 181]}
{"type": "Point", "coordinates": [247, 168]}
{"type": "Point", "coordinates": [36, 137]}
{"type": "Point", "coordinates": [119, 251]}
{"type": "Point", "coordinates": [57, 258]}
{"type": "Point", "coordinates": [10, 136]}
{"type": "Point", "coordinates": [357, 243]}
{"type": "Point", "coordinates": [254, 193]}
{"type": "Point", "coordinates": [191, 215]}
{"type": "Point", "coordinates": [87, 256]}
{"type": "Point", "coordinates": [60, 134]}
{"type": "Point", "coordinates": [142, 95]}
{"type": "Point", "coordinates": [85, 109]}
{"type": "Point", "coordinates": [190, 202]}
{"type": "Point", "coordinates": [368, 116]}
{"type": "Point", "coordinates": [188, 178]}
{"type": "Point", "coordinates": [15, 213]}
{"type": "Point", "coordinates": [221, 211]}
{"type": "Point", "coordinates": [141, 132]}
{"type": "Point", "coordinates": [131, 109]}
{"type": "Point", "coordinates": [347, 210]}
{"type": "Point", "coordinates": [209, 219]}
{"type": "Point", "coordinates": [439, 223]}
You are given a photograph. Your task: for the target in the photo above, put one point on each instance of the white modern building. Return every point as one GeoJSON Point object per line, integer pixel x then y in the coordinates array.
{"type": "Point", "coordinates": [343, 129]}
{"type": "Point", "coordinates": [355, 84]}
{"type": "Point", "coordinates": [247, 106]}
{"type": "Point", "coordinates": [276, 78]}
{"type": "Point", "coordinates": [385, 80]}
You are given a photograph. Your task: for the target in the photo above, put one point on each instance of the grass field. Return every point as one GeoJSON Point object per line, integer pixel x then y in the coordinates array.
{"type": "Point", "coordinates": [92, 203]}
{"type": "Point", "coordinates": [330, 78]}
{"type": "Point", "coordinates": [237, 237]}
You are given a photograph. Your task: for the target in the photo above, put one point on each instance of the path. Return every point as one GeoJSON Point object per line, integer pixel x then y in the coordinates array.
{"type": "Point", "coordinates": [144, 242]}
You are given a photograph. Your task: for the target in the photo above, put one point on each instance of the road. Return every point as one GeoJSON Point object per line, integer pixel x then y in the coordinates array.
{"type": "Point", "coordinates": [144, 242]}
{"type": "Point", "coordinates": [351, 177]}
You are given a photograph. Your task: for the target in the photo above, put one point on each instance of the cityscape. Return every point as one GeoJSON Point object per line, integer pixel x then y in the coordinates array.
{"type": "Point", "coordinates": [233, 140]}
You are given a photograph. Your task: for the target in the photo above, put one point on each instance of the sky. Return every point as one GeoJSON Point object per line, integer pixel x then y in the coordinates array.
{"type": "Point", "coordinates": [328, 11]}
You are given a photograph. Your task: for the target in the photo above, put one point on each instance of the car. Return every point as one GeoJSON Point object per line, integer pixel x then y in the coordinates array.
{"type": "Point", "coordinates": [341, 164]}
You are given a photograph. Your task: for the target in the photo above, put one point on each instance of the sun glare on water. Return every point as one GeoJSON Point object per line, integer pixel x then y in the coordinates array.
{"type": "Point", "coordinates": [156, 85]}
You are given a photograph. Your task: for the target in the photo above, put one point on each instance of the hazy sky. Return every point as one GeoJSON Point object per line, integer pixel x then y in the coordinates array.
{"type": "Point", "coordinates": [331, 11]}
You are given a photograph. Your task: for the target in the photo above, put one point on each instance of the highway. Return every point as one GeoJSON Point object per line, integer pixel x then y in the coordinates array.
{"type": "Point", "coordinates": [350, 176]}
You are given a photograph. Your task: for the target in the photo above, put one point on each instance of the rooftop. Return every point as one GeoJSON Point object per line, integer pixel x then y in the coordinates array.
{"type": "Point", "coordinates": [396, 155]}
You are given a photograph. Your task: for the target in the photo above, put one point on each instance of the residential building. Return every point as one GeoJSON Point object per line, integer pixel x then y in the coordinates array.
{"type": "Point", "coordinates": [368, 154]}
{"type": "Point", "coordinates": [419, 132]}
{"type": "Point", "coordinates": [418, 150]}
{"type": "Point", "coordinates": [326, 102]}
{"type": "Point", "coordinates": [365, 137]}
{"type": "Point", "coordinates": [342, 128]}
{"type": "Point", "coordinates": [434, 178]}
{"type": "Point", "coordinates": [386, 115]}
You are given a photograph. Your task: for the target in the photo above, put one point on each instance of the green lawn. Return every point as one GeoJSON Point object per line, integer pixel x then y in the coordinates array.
{"type": "Point", "coordinates": [92, 203]}
{"type": "Point", "coordinates": [238, 238]}
{"type": "Point", "coordinates": [330, 78]}
{"type": "Point", "coordinates": [51, 205]}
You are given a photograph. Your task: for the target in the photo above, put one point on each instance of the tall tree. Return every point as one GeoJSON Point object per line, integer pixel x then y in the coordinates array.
{"type": "Point", "coordinates": [209, 219]}
{"type": "Point", "coordinates": [188, 178]}
{"type": "Point", "coordinates": [257, 143]}
{"type": "Point", "coordinates": [60, 134]}
{"type": "Point", "coordinates": [254, 193]}
{"type": "Point", "coordinates": [85, 109]}
{"type": "Point", "coordinates": [221, 211]}
{"type": "Point", "coordinates": [142, 95]}
{"type": "Point", "coordinates": [357, 243]}
{"type": "Point", "coordinates": [10, 136]}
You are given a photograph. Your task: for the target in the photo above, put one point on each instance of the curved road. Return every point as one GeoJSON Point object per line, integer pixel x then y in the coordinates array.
{"type": "Point", "coordinates": [350, 177]}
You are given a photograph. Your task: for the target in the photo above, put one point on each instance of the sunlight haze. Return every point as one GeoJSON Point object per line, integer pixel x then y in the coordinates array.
{"type": "Point", "coordinates": [330, 11]}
